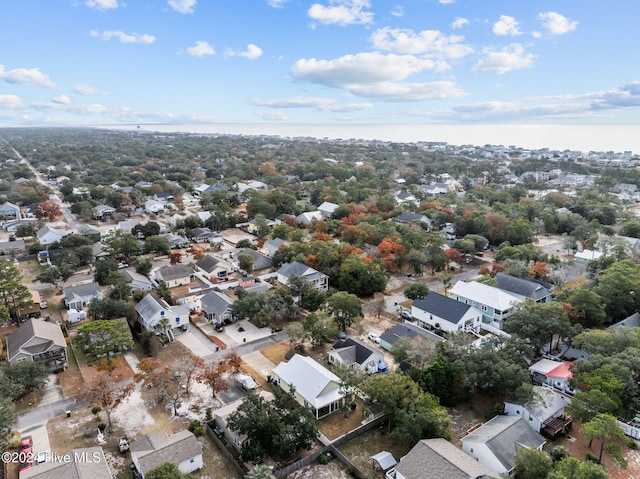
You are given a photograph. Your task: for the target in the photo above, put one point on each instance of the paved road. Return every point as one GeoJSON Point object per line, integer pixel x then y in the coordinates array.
{"type": "Point", "coordinates": [43, 413]}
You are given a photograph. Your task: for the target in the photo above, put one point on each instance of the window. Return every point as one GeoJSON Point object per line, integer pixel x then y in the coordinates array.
{"type": "Point", "coordinates": [518, 411]}
{"type": "Point", "coordinates": [471, 450]}
{"type": "Point", "coordinates": [193, 459]}
{"type": "Point", "coordinates": [484, 308]}
{"type": "Point", "coordinates": [530, 418]}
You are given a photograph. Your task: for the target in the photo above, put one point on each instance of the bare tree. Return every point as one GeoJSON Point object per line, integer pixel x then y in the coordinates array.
{"type": "Point", "coordinates": [106, 393]}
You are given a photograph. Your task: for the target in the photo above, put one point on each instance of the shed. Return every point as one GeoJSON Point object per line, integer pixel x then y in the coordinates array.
{"type": "Point", "coordinates": [384, 460]}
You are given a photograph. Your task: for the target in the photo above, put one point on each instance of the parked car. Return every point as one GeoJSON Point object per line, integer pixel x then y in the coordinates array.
{"type": "Point", "coordinates": [374, 337]}
{"type": "Point", "coordinates": [26, 445]}
{"type": "Point", "coordinates": [405, 315]}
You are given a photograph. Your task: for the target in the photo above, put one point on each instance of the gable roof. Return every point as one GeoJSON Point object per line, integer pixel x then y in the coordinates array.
{"type": "Point", "coordinates": [209, 263]}
{"type": "Point", "coordinates": [131, 275]}
{"type": "Point", "coordinates": [328, 207]}
{"type": "Point", "coordinates": [310, 380]}
{"type": "Point", "coordinates": [523, 287]}
{"type": "Point", "coordinates": [155, 449]}
{"type": "Point", "coordinates": [76, 293]}
{"type": "Point", "coordinates": [34, 328]}
{"type": "Point", "coordinates": [149, 306]}
{"type": "Point", "coordinates": [260, 261]}
{"type": "Point", "coordinates": [439, 459]}
{"type": "Point", "coordinates": [408, 217]}
{"type": "Point", "coordinates": [299, 269]}
{"type": "Point", "coordinates": [171, 272]}
{"type": "Point", "coordinates": [407, 330]}
{"type": "Point", "coordinates": [443, 307]}
{"type": "Point", "coordinates": [485, 294]}
{"type": "Point", "coordinates": [546, 403]}
{"type": "Point", "coordinates": [217, 303]}
{"type": "Point", "coordinates": [505, 436]}
{"type": "Point", "coordinates": [550, 368]}
{"type": "Point", "coordinates": [84, 463]}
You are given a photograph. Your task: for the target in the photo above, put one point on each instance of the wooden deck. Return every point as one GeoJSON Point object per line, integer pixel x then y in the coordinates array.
{"type": "Point", "coordinates": [555, 426]}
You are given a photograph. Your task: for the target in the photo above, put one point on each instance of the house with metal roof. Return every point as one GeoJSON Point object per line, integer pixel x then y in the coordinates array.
{"type": "Point", "coordinates": [440, 313]}
{"type": "Point", "coordinates": [524, 288]}
{"type": "Point", "coordinates": [438, 459]}
{"type": "Point", "coordinates": [406, 330]}
{"type": "Point", "coordinates": [355, 353]}
{"type": "Point", "coordinates": [496, 443]}
{"type": "Point", "coordinates": [327, 209]}
{"type": "Point", "coordinates": [216, 307]}
{"type": "Point", "coordinates": [151, 310]}
{"type": "Point", "coordinates": [80, 463]}
{"type": "Point", "coordinates": [79, 296]}
{"type": "Point", "coordinates": [153, 450]}
{"type": "Point", "coordinates": [315, 386]}
{"type": "Point", "coordinates": [38, 340]}
{"type": "Point", "coordinates": [319, 280]}
{"type": "Point", "coordinates": [496, 305]}
{"type": "Point", "coordinates": [556, 374]}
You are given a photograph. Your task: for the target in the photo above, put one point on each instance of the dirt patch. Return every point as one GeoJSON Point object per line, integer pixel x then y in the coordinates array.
{"type": "Point", "coordinates": [578, 447]}
{"type": "Point", "coordinates": [336, 424]}
{"type": "Point", "coordinates": [120, 369]}
{"type": "Point", "coordinates": [276, 353]}
{"type": "Point", "coordinates": [332, 470]}
{"type": "Point", "coordinates": [360, 449]}
{"type": "Point", "coordinates": [71, 380]}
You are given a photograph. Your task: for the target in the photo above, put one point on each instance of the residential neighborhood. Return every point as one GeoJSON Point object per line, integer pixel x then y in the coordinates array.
{"type": "Point", "coordinates": [215, 306]}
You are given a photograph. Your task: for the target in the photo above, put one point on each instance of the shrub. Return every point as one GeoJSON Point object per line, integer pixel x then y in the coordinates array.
{"type": "Point", "coordinates": [324, 458]}
{"type": "Point", "coordinates": [558, 453]}
{"type": "Point", "coordinates": [102, 426]}
{"type": "Point", "coordinates": [209, 414]}
{"type": "Point", "coordinates": [588, 457]}
{"type": "Point", "coordinates": [196, 428]}
{"type": "Point", "coordinates": [95, 410]}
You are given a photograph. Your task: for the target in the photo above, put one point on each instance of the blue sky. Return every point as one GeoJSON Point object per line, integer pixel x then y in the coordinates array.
{"type": "Point", "coordinates": [102, 62]}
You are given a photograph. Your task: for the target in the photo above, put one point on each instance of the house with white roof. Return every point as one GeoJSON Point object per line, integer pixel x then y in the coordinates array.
{"type": "Point", "coordinates": [327, 209]}
{"type": "Point", "coordinates": [47, 235]}
{"type": "Point", "coordinates": [305, 219]}
{"type": "Point", "coordinates": [153, 206]}
{"type": "Point", "coordinates": [315, 386]}
{"type": "Point", "coordinates": [440, 313]}
{"type": "Point", "coordinates": [151, 310]}
{"type": "Point", "coordinates": [496, 305]}
{"type": "Point", "coordinates": [556, 374]}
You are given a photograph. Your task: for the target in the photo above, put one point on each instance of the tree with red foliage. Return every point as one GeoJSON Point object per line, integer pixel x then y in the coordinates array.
{"type": "Point", "coordinates": [175, 257]}
{"type": "Point", "coordinates": [540, 270]}
{"type": "Point", "coordinates": [392, 252]}
{"type": "Point", "coordinates": [453, 255]}
{"type": "Point", "coordinates": [48, 210]}
{"type": "Point", "coordinates": [234, 361]}
{"type": "Point", "coordinates": [197, 253]}
{"type": "Point", "coordinates": [212, 375]}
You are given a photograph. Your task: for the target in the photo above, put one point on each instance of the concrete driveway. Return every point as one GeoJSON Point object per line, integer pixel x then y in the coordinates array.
{"type": "Point", "coordinates": [194, 344]}
{"type": "Point", "coordinates": [40, 438]}
{"type": "Point", "coordinates": [259, 363]}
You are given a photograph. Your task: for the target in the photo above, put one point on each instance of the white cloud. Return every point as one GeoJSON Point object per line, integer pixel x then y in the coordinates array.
{"type": "Point", "coordinates": [102, 5]}
{"type": "Point", "coordinates": [507, 25]}
{"type": "Point", "coordinates": [201, 49]}
{"type": "Point", "coordinates": [183, 6]}
{"type": "Point", "coordinates": [277, 3]}
{"type": "Point", "coordinates": [82, 89]}
{"type": "Point", "coordinates": [432, 43]}
{"type": "Point", "coordinates": [394, 91]}
{"type": "Point", "coordinates": [459, 22]}
{"type": "Point", "coordinates": [317, 103]}
{"type": "Point", "coordinates": [361, 68]}
{"type": "Point", "coordinates": [512, 57]}
{"type": "Point", "coordinates": [376, 75]}
{"type": "Point", "coordinates": [397, 11]}
{"type": "Point", "coordinates": [445, 2]}
{"type": "Point", "coordinates": [81, 109]}
{"type": "Point", "coordinates": [61, 99]}
{"type": "Point", "coordinates": [10, 102]}
{"type": "Point", "coordinates": [556, 24]}
{"type": "Point", "coordinates": [342, 12]}
{"type": "Point", "coordinates": [123, 37]}
{"type": "Point", "coordinates": [272, 115]}
{"type": "Point", "coordinates": [26, 76]}
{"type": "Point", "coordinates": [252, 52]}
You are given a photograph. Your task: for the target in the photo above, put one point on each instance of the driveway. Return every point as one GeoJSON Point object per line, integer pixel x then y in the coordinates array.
{"type": "Point", "coordinates": [259, 363]}
{"type": "Point", "coordinates": [193, 343]}
{"type": "Point", "coordinates": [40, 437]}
{"type": "Point", "coordinates": [52, 391]}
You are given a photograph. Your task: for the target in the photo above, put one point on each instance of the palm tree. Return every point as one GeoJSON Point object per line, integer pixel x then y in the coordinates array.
{"type": "Point", "coordinates": [260, 471]}
{"type": "Point", "coordinates": [165, 325]}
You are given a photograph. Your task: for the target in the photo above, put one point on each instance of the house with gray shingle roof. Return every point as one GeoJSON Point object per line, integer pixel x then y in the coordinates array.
{"type": "Point", "coordinates": [137, 281]}
{"type": "Point", "coordinates": [274, 245]}
{"type": "Point", "coordinates": [82, 463]}
{"type": "Point", "coordinates": [355, 353]}
{"type": "Point", "coordinates": [524, 288]}
{"type": "Point", "coordinates": [216, 307]}
{"type": "Point", "coordinates": [155, 449]}
{"type": "Point", "coordinates": [47, 235]}
{"type": "Point", "coordinates": [408, 217]}
{"type": "Point", "coordinates": [319, 280]}
{"type": "Point", "coordinates": [438, 312]}
{"type": "Point", "coordinates": [175, 275]}
{"type": "Point", "coordinates": [407, 330]}
{"type": "Point", "coordinates": [214, 268]}
{"type": "Point", "coordinates": [38, 340]}
{"type": "Point", "coordinates": [496, 443]}
{"type": "Point", "coordinates": [260, 261]}
{"type": "Point", "coordinates": [77, 297]}
{"type": "Point", "coordinates": [438, 459]}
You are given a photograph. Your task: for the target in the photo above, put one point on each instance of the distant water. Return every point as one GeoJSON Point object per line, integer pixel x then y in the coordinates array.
{"type": "Point", "coordinates": [617, 138]}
